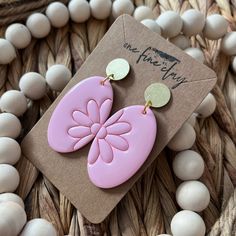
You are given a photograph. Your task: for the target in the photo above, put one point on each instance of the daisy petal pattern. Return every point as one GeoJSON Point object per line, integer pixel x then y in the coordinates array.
{"type": "Point", "coordinates": [109, 137]}
{"type": "Point", "coordinates": [81, 118]}
{"type": "Point", "coordinates": [94, 152]}
{"type": "Point", "coordinates": [79, 115]}
{"type": "Point", "coordinates": [93, 111]}
{"type": "Point", "coordinates": [88, 122]}
{"type": "Point", "coordinates": [119, 128]}
{"type": "Point", "coordinates": [105, 105]}
{"type": "Point", "coordinates": [83, 141]}
{"type": "Point", "coordinates": [117, 142]}
{"type": "Point", "coordinates": [105, 151]}
{"type": "Point", "coordinates": [114, 118]}
{"type": "Point", "coordinates": [79, 131]}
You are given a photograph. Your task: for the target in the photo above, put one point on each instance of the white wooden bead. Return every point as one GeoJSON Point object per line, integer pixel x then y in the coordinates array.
{"type": "Point", "coordinates": [215, 26]}
{"type": "Point", "coordinates": [233, 64]}
{"type": "Point", "coordinates": [142, 13]}
{"type": "Point", "coordinates": [10, 151]}
{"type": "Point", "coordinates": [58, 14]}
{"type": "Point", "coordinates": [180, 41]}
{"type": "Point", "coordinates": [170, 23]}
{"type": "Point", "coordinates": [120, 7]}
{"type": "Point", "coordinates": [152, 25]}
{"type": "Point", "coordinates": [193, 196]}
{"type": "Point", "coordinates": [33, 85]}
{"type": "Point", "coordinates": [38, 227]}
{"type": "Point", "coordinates": [57, 77]}
{"type": "Point", "coordinates": [13, 101]}
{"type": "Point", "coordinates": [11, 197]}
{"type": "Point", "coordinates": [187, 223]}
{"type": "Point", "coordinates": [10, 125]}
{"type": "Point", "coordinates": [79, 10]}
{"type": "Point", "coordinates": [192, 119]}
{"type": "Point", "coordinates": [9, 178]}
{"type": "Point", "coordinates": [183, 139]}
{"type": "Point", "coordinates": [228, 44]}
{"type": "Point", "coordinates": [12, 220]}
{"type": "Point", "coordinates": [188, 165]}
{"type": "Point", "coordinates": [100, 9]}
{"type": "Point", "coordinates": [19, 35]}
{"type": "Point", "coordinates": [7, 52]}
{"type": "Point", "coordinates": [207, 107]}
{"type": "Point", "coordinates": [195, 53]}
{"type": "Point", "coordinates": [193, 22]}
{"type": "Point", "coordinates": [39, 25]}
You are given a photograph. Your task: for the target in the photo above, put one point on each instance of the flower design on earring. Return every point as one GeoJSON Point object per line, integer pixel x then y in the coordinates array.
{"type": "Point", "coordinates": [122, 142]}
{"type": "Point", "coordinates": [107, 135]}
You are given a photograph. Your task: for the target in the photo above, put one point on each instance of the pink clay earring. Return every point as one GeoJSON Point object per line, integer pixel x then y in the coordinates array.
{"type": "Point", "coordinates": [120, 145]}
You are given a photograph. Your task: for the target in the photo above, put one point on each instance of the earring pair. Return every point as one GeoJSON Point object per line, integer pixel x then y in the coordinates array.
{"type": "Point", "coordinates": [120, 143]}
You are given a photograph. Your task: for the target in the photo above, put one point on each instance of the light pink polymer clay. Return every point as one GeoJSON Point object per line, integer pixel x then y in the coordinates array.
{"type": "Point", "coordinates": [120, 144]}
{"type": "Point", "coordinates": [124, 145]}
{"type": "Point", "coordinates": [77, 118]}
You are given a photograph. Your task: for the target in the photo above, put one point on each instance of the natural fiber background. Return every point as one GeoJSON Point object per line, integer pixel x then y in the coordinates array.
{"type": "Point", "coordinates": [149, 206]}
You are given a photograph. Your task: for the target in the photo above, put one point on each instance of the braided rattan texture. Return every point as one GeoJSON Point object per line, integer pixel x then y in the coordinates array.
{"type": "Point", "coordinates": [149, 206]}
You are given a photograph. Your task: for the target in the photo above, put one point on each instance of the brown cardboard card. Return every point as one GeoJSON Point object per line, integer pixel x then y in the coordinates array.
{"type": "Point", "coordinates": [152, 59]}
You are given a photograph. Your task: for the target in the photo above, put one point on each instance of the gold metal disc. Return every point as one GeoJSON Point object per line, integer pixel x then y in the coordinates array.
{"type": "Point", "coordinates": [118, 69]}
{"type": "Point", "coordinates": [158, 94]}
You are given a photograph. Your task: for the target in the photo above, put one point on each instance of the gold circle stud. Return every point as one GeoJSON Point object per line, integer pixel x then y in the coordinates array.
{"type": "Point", "coordinates": [157, 94]}
{"type": "Point", "coordinates": [119, 68]}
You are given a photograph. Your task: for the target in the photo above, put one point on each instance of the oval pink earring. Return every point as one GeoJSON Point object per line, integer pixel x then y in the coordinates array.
{"type": "Point", "coordinates": [120, 145]}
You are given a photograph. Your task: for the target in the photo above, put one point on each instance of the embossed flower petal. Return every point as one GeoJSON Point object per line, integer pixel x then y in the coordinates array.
{"type": "Point", "coordinates": [72, 110]}
{"type": "Point", "coordinates": [94, 152]}
{"type": "Point", "coordinates": [93, 111]}
{"type": "Point", "coordinates": [81, 118]}
{"type": "Point", "coordinates": [114, 118]}
{"type": "Point", "coordinates": [83, 141]}
{"type": "Point", "coordinates": [119, 128]}
{"type": "Point", "coordinates": [117, 142]}
{"type": "Point", "coordinates": [105, 151]}
{"type": "Point", "coordinates": [104, 108]}
{"type": "Point", "coordinates": [79, 131]}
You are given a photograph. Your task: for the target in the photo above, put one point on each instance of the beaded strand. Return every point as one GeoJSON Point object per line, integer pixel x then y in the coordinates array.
{"type": "Point", "coordinates": [13, 104]}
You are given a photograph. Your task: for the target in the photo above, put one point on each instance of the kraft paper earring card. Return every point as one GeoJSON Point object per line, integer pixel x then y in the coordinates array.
{"type": "Point", "coordinates": [152, 59]}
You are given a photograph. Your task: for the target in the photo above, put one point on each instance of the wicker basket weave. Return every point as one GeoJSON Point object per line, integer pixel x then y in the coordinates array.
{"type": "Point", "coordinates": [149, 206]}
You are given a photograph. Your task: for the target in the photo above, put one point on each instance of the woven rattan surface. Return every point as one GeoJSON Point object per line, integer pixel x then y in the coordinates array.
{"type": "Point", "coordinates": [149, 206]}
